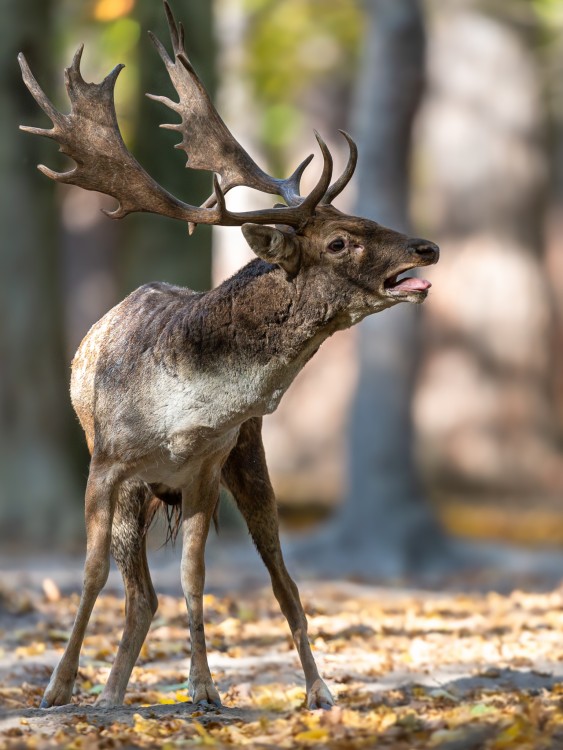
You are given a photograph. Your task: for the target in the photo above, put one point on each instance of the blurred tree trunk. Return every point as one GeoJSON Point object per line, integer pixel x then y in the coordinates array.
{"type": "Point", "coordinates": [385, 526]}
{"type": "Point", "coordinates": [386, 519]}
{"type": "Point", "coordinates": [158, 248]}
{"type": "Point", "coordinates": [39, 496]}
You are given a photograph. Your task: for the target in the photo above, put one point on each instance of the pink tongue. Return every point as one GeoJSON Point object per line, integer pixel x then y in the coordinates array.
{"type": "Point", "coordinates": [412, 284]}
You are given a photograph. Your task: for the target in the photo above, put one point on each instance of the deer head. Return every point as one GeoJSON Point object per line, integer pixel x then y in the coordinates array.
{"type": "Point", "coordinates": [355, 258]}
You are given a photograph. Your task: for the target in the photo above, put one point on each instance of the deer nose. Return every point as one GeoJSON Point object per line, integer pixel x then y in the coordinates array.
{"type": "Point", "coordinates": [424, 249]}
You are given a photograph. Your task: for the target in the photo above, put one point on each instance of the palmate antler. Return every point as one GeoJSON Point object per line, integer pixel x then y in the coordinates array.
{"type": "Point", "coordinates": [90, 135]}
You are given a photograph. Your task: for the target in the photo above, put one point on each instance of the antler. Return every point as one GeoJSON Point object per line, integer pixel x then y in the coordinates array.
{"type": "Point", "coordinates": [90, 135]}
{"type": "Point", "coordinates": [206, 140]}
{"type": "Point", "coordinates": [337, 187]}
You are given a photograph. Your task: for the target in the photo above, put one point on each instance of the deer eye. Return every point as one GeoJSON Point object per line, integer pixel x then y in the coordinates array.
{"type": "Point", "coordinates": [337, 245]}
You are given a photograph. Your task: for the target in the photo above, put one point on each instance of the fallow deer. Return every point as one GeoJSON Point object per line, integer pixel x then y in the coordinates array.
{"type": "Point", "coordinates": [170, 386]}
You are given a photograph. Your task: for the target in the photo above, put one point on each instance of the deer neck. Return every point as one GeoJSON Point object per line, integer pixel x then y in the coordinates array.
{"type": "Point", "coordinates": [273, 317]}
{"type": "Point", "coordinates": [263, 326]}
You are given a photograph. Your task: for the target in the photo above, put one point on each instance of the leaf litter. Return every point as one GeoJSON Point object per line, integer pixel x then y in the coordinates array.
{"type": "Point", "coordinates": [408, 670]}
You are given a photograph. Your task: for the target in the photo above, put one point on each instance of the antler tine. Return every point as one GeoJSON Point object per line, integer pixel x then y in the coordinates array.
{"type": "Point", "coordinates": [337, 187]}
{"type": "Point", "coordinates": [295, 216]}
{"type": "Point", "coordinates": [176, 31]}
{"type": "Point", "coordinates": [40, 97]}
{"type": "Point", "coordinates": [175, 37]}
{"type": "Point", "coordinates": [290, 188]}
{"type": "Point", "coordinates": [315, 196]}
{"type": "Point", "coordinates": [182, 35]}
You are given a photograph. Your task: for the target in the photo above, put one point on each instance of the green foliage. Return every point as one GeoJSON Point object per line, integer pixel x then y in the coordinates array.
{"type": "Point", "coordinates": [550, 16]}
{"type": "Point", "coordinates": [293, 46]}
{"type": "Point", "coordinates": [550, 12]}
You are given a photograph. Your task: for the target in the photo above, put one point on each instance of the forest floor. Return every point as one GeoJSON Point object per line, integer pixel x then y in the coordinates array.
{"type": "Point", "coordinates": [458, 668]}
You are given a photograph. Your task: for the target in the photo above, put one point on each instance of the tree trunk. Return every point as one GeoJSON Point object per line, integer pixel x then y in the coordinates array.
{"type": "Point", "coordinates": [386, 518]}
{"type": "Point", "coordinates": [385, 526]}
{"type": "Point", "coordinates": [39, 498]}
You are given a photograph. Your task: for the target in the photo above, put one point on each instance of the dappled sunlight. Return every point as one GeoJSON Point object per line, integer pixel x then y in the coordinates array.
{"type": "Point", "coordinates": [109, 10]}
{"type": "Point", "coordinates": [409, 669]}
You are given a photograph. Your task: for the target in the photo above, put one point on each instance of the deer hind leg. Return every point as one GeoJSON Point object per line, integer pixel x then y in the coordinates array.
{"type": "Point", "coordinates": [99, 507]}
{"type": "Point", "coordinates": [128, 547]}
{"type": "Point", "coordinates": [246, 476]}
{"type": "Point", "coordinates": [197, 514]}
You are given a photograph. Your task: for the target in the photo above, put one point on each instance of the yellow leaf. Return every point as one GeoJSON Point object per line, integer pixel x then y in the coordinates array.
{"type": "Point", "coordinates": [312, 735]}
{"type": "Point", "coordinates": [206, 738]}
{"type": "Point", "coordinates": [146, 726]}
{"type": "Point", "coordinates": [311, 720]}
{"type": "Point", "coordinates": [275, 698]}
{"type": "Point", "coordinates": [83, 726]}
{"type": "Point", "coordinates": [34, 649]}
{"type": "Point", "coordinates": [387, 720]}
{"type": "Point", "coordinates": [182, 697]}
{"type": "Point", "coordinates": [520, 729]}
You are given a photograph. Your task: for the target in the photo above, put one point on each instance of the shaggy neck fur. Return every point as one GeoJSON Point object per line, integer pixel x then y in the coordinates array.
{"type": "Point", "coordinates": [258, 315]}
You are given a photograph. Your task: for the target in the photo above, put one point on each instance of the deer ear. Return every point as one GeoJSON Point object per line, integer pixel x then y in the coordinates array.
{"type": "Point", "coordinates": [274, 245]}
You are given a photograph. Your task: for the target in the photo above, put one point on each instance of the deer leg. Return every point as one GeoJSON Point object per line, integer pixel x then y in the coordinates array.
{"type": "Point", "coordinates": [246, 476]}
{"type": "Point", "coordinates": [128, 547]}
{"type": "Point", "coordinates": [99, 505]}
{"type": "Point", "coordinates": [195, 528]}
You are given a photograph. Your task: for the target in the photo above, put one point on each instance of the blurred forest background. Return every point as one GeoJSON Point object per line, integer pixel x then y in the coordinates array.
{"type": "Point", "coordinates": [417, 425]}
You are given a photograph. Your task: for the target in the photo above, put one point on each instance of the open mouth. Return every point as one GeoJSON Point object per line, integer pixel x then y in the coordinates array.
{"type": "Point", "coordinates": [405, 285]}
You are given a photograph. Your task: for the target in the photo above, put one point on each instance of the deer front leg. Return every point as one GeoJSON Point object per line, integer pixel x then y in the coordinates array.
{"type": "Point", "coordinates": [246, 475]}
{"type": "Point", "coordinates": [99, 506]}
{"type": "Point", "coordinates": [195, 528]}
{"type": "Point", "coordinates": [266, 537]}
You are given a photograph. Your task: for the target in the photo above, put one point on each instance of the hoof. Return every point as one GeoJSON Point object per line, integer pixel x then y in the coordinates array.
{"type": "Point", "coordinates": [106, 703]}
{"type": "Point", "coordinates": [204, 694]}
{"type": "Point", "coordinates": [206, 703]}
{"type": "Point", "coordinates": [319, 697]}
{"type": "Point", "coordinates": [55, 696]}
